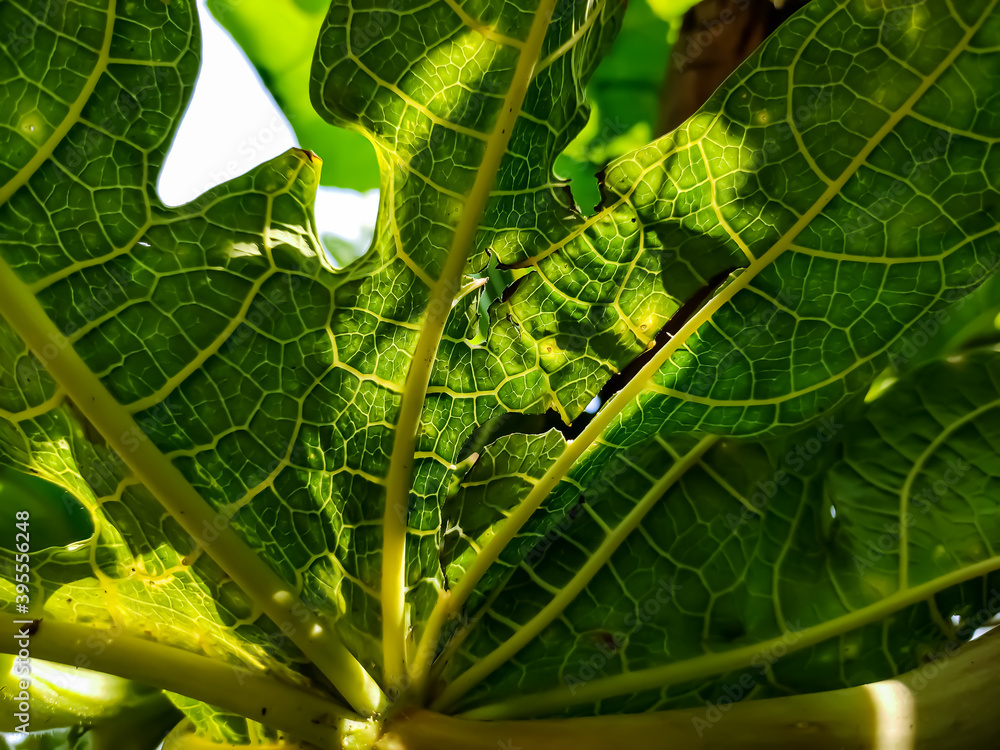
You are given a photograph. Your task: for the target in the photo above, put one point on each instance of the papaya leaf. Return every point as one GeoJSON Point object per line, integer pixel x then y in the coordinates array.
{"type": "Point", "coordinates": [827, 558]}
{"type": "Point", "coordinates": [270, 451]}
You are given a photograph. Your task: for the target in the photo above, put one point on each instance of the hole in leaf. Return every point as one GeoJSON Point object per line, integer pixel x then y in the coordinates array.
{"type": "Point", "coordinates": [508, 424]}
{"type": "Point", "coordinates": [672, 326]}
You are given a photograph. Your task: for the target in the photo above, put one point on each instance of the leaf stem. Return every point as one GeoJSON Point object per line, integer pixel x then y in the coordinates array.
{"type": "Point", "coordinates": [286, 707]}
{"type": "Point", "coordinates": [442, 295]}
{"type": "Point", "coordinates": [711, 664]}
{"type": "Point", "coordinates": [164, 480]}
{"type": "Point", "coordinates": [523, 635]}
{"type": "Point", "coordinates": [921, 710]}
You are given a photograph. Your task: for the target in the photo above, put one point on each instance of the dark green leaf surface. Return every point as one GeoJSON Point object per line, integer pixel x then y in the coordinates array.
{"type": "Point", "coordinates": [740, 561]}
{"type": "Point", "coordinates": [833, 194]}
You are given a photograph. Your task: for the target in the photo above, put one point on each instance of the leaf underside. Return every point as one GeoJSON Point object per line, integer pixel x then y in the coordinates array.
{"type": "Point", "coordinates": [245, 425]}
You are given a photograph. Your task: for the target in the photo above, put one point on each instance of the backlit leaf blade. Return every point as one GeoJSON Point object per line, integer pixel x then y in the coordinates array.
{"type": "Point", "coordinates": [824, 303]}
{"type": "Point", "coordinates": [246, 385]}
{"type": "Point", "coordinates": [738, 574]}
{"type": "Point", "coordinates": [139, 313]}
{"type": "Point", "coordinates": [460, 104]}
{"type": "Point", "coordinates": [500, 478]}
{"type": "Point", "coordinates": [314, 419]}
{"type": "Point", "coordinates": [831, 194]}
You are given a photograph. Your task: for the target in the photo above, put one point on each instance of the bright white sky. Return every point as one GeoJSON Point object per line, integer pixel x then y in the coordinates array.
{"type": "Point", "coordinates": [231, 125]}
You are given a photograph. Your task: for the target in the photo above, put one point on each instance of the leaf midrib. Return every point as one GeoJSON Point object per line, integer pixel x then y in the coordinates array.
{"type": "Point", "coordinates": [215, 682]}
{"type": "Point", "coordinates": [318, 642]}
{"type": "Point", "coordinates": [25, 314]}
{"type": "Point", "coordinates": [443, 294]}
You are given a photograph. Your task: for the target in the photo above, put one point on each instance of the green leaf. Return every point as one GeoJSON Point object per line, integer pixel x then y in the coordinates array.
{"type": "Point", "coordinates": [282, 53]}
{"type": "Point", "coordinates": [222, 728]}
{"type": "Point", "coordinates": [61, 519]}
{"type": "Point", "coordinates": [168, 303]}
{"type": "Point", "coordinates": [671, 9]}
{"type": "Point", "coordinates": [496, 483]}
{"type": "Point", "coordinates": [800, 182]}
{"type": "Point", "coordinates": [469, 136]}
{"type": "Point", "coordinates": [972, 321]}
{"type": "Point", "coordinates": [268, 447]}
{"type": "Point", "coordinates": [689, 570]}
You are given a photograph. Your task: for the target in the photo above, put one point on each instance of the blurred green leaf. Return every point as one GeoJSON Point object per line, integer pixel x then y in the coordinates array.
{"type": "Point", "coordinates": [971, 322]}
{"type": "Point", "coordinates": [64, 697]}
{"type": "Point", "coordinates": [669, 10]}
{"type": "Point", "coordinates": [623, 95]}
{"type": "Point", "coordinates": [340, 250]}
{"type": "Point", "coordinates": [58, 518]}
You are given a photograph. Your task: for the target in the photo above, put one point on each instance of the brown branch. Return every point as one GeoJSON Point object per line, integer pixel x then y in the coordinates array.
{"type": "Point", "coordinates": [715, 37]}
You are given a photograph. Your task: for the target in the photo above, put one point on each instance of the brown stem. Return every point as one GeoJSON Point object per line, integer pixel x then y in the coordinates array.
{"type": "Point", "coordinates": [715, 37]}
